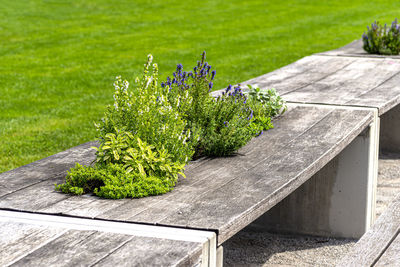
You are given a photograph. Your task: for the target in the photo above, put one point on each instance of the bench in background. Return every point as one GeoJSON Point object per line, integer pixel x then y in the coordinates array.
{"type": "Point", "coordinates": [380, 246]}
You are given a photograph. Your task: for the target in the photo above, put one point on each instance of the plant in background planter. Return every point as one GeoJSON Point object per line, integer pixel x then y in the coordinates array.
{"type": "Point", "coordinates": [151, 132]}
{"type": "Point", "coordinates": [381, 39]}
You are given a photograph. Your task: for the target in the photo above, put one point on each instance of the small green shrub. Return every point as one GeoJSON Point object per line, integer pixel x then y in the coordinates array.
{"type": "Point", "coordinates": [112, 181]}
{"type": "Point", "coordinates": [381, 39]}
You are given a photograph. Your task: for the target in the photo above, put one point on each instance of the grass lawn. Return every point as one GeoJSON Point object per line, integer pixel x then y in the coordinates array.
{"type": "Point", "coordinates": [58, 59]}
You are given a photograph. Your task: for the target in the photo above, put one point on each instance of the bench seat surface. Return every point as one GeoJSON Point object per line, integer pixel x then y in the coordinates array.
{"type": "Point", "coordinates": [25, 242]}
{"type": "Point", "coordinates": [381, 244]}
{"type": "Point", "coordinates": [333, 80]}
{"type": "Point", "coordinates": [223, 194]}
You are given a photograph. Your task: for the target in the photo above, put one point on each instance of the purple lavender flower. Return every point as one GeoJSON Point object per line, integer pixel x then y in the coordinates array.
{"type": "Point", "coordinates": [162, 84]}
{"type": "Point", "coordinates": [228, 88]}
{"type": "Point", "coordinates": [210, 85]}
{"type": "Point", "coordinates": [213, 74]}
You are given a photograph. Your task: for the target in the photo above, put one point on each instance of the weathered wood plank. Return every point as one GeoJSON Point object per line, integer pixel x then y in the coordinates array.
{"type": "Point", "coordinates": [35, 197]}
{"type": "Point", "coordinates": [42, 240]}
{"type": "Point", "coordinates": [153, 252]}
{"type": "Point", "coordinates": [374, 243]}
{"type": "Point", "coordinates": [384, 97]}
{"type": "Point", "coordinates": [18, 239]}
{"type": "Point", "coordinates": [354, 49]}
{"type": "Point", "coordinates": [298, 74]}
{"type": "Point", "coordinates": [349, 81]}
{"type": "Point", "coordinates": [345, 86]}
{"type": "Point", "coordinates": [391, 257]}
{"type": "Point", "coordinates": [74, 248]}
{"type": "Point", "coordinates": [46, 168]}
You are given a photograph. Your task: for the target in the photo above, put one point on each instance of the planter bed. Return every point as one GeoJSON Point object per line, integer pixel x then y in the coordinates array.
{"type": "Point", "coordinates": [333, 148]}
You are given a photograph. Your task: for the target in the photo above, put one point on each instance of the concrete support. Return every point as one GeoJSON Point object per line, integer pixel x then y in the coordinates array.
{"type": "Point", "coordinates": [390, 131]}
{"type": "Point", "coordinates": [339, 200]}
{"type": "Point", "coordinates": [220, 256]}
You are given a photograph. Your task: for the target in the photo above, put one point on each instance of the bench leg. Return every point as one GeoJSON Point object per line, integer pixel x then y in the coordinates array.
{"type": "Point", "coordinates": [390, 131]}
{"type": "Point", "coordinates": [220, 256]}
{"type": "Point", "coordinates": [338, 201]}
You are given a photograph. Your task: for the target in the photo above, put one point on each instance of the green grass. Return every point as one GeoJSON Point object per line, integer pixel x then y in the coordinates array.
{"type": "Point", "coordinates": [58, 59]}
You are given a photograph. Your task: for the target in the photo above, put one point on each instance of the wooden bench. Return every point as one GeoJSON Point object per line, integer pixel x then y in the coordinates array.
{"type": "Point", "coordinates": [328, 151]}
{"type": "Point", "coordinates": [343, 79]}
{"type": "Point", "coordinates": [43, 240]}
{"type": "Point", "coordinates": [380, 246]}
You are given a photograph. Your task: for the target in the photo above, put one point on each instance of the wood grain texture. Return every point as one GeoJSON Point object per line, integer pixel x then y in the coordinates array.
{"type": "Point", "coordinates": [24, 244]}
{"type": "Point", "coordinates": [354, 49]}
{"type": "Point", "coordinates": [391, 257]}
{"type": "Point", "coordinates": [373, 244]}
{"type": "Point", "coordinates": [333, 80]}
{"type": "Point", "coordinates": [18, 239]}
{"type": "Point", "coordinates": [54, 165]}
{"type": "Point", "coordinates": [222, 194]}
{"type": "Point", "coordinates": [153, 252]}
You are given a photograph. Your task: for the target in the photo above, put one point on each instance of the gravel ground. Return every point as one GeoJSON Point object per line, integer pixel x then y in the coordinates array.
{"type": "Point", "coordinates": [249, 248]}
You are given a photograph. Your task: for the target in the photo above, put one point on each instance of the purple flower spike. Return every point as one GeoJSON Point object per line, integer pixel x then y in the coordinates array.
{"type": "Point", "coordinates": [213, 74]}
{"type": "Point", "coordinates": [162, 85]}
{"type": "Point", "coordinates": [228, 88]}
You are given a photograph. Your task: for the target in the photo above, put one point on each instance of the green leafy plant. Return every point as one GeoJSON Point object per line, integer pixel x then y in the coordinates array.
{"type": "Point", "coordinates": [152, 131]}
{"type": "Point", "coordinates": [112, 181]}
{"type": "Point", "coordinates": [381, 39]}
{"type": "Point", "coordinates": [145, 112]}
{"type": "Point", "coordinates": [144, 144]}
{"type": "Point", "coordinates": [265, 102]}
{"type": "Point", "coordinates": [221, 125]}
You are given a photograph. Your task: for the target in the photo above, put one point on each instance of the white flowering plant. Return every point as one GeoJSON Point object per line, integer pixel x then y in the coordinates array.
{"type": "Point", "coordinates": [140, 135]}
